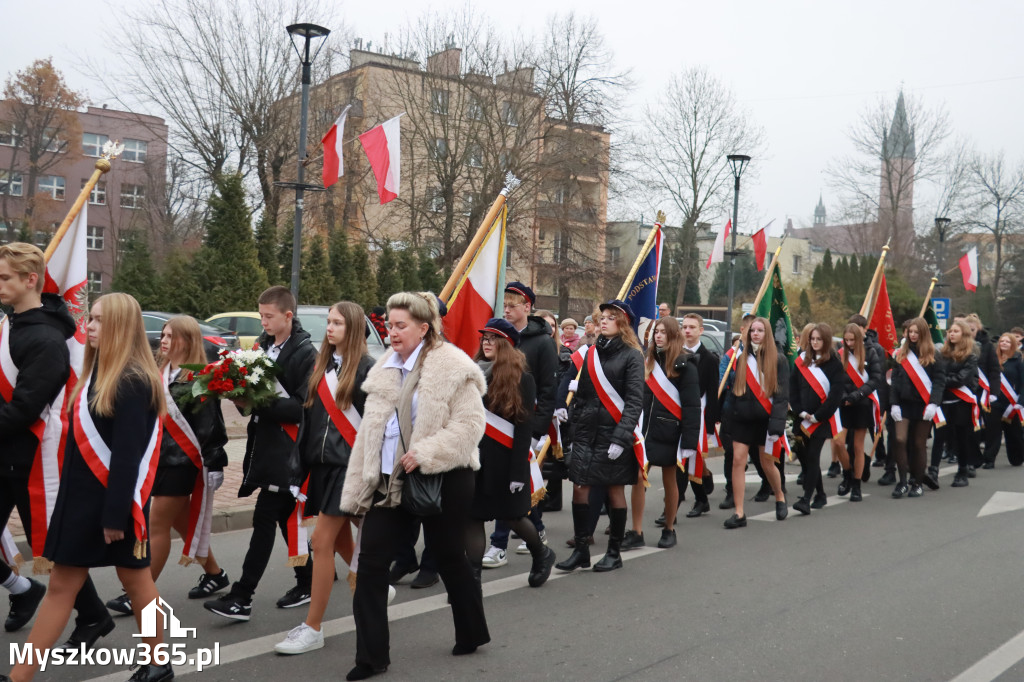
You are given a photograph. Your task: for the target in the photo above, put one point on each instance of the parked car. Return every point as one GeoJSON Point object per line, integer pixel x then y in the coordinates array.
{"type": "Point", "coordinates": [712, 341]}
{"type": "Point", "coordinates": [215, 339]}
{"type": "Point", "coordinates": [245, 324]}
{"type": "Point", "coordinates": [314, 321]}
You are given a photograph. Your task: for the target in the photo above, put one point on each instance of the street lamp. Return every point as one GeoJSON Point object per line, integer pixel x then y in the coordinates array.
{"type": "Point", "coordinates": [941, 227]}
{"type": "Point", "coordinates": [307, 33]}
{"type": "Point", "coordinates": [737, 162]}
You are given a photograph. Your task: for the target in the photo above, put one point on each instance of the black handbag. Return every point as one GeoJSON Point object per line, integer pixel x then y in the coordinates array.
{"type": "Point", "coordinates": [421, 493]}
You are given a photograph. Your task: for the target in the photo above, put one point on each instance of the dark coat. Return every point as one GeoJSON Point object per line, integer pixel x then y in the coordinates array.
{"type": "Point", "coordinates": [886, 362]}
{"type": "Point", "coordinates": [1013, 370]}
{"type": "Point", "coordinates": [500, 466]}
{"type": "Point", "coordinates": [596, 429]}
{"type": "Point", "coordinates": [84, 506]}
{"type": "Point", "coordinates": [746, 407]}
{"type": "Point", "coordinates": [207, 424]}
{"type": "Point", "coordinates": [320, 442]}
{"type": "Point", "coordinates": [803, 398]}
{"type": "Point", "coordinates": [988, 359]}
{"type": "Point", "coordinates": [39, 350]}
{"type": "Point", "coordinates": [875, 367]}
{"type": "Point", "coordinates": [708, 378]}
{"type": "Point", "coordinates": [960, 375]}
{"type": "Point", "coordinates": [538, 346]}
{"type": "Point", "coordinates": [905, 394]}
{"type": "Point", "coordinates": [271, 456]}
{"type": "Point", "coordinates": [663, 433]}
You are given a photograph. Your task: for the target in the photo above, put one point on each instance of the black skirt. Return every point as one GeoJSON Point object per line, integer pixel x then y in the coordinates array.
{"type": "Point", "coordinates": [858, 416]}
{"type": "Point", "coordinates": [323, 494]}
{"type": "Point", "coordinates": [661, 454]}
{"type": "Point", "coordinates": [175, 481]}
{"type": "Point", "coordinates": [750, 432]}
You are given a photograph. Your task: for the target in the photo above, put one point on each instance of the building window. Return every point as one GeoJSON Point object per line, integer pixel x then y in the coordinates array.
{"type": "Point", "coordinates": [11, 184]}
{"type": "Point", "coordinates": [509, 114]}
{"type": "Point", "coordinates": [557, 257]}
{"type": "Point", "coordinates": [475, 158]}
{"type": "Point", "coordinates": [94, 238]}
{"type": "Point", "coordinates": [439, 150]}
{"type": "Point", "coordinates": [436, 201]}
{"type": "Point", "coordinates": [475, 108]}
{"type": "Point", "coordinates": [133, 196]}
{"type": "Point", "coordinates": [95, 283]}
{"type": "Point", "coordinates": [505, 161]}
{"type": "Point", "coordinates": [468, 199]}
{"type": "Point", "coordinates": [98, 195]}
{"type": "Point", "coordinates": [613, 256]}
{"type": "Point", "coordinates": [9, 135]}
{"type": "Point", "coordinates": [52, 185]}
{"type": "Point", "coordinates": [5, 232]}
{"type": "Point", "coordinates": [541, 234]}
{"type": "Point", "coordinates": [797, 264]}
{"type": "Point", "coordinates": [135, 151]}
{"type": "Point", "coordinates": [558, 196]}
{"type": "Point", "coordinates": [92, 144]}
{"type": "Point", "coordinates": [439, 102]}
{"type": "Point", "coordinates": [53, 143]}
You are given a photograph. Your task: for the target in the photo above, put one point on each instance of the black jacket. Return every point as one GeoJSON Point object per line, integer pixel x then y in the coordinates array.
{"type": "Point", "coordinates": [988, 359]}
{"type": "Point", "coordinates": [803, 398]}
{"type": "Point", "coordinates": [886, 362]}
{"type": "Point", "coordinates": [1013, 370]}
{"type": "Point", "coordinates": [271, 456]}
{"type": "Point", "coordinates": [538, 346]}
{"type": "Point", "coordinates": [876, 377]}
{"type": "Point", "coordinates": [208, 425]}
{"type": "Point", "coordinates": [707, 375]}
{"type": "Point", "coordinates": [596, 429]}
{"type": "Point", "coordinates": [905, 394]}
{"type": "Point", "coordinates": [39, 350]}
{"type": "Point", "coordinates": [746, 407]}
{"type": "Point", "coordinates": [662, 431]}
{"type": "Point", "coordinates": [961, 375]}
{"type": "Point", "coordinates": [321, 443]}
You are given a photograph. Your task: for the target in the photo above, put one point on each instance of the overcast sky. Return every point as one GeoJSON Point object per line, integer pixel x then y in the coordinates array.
{"type": "Point", "coordinates": [804, 70]}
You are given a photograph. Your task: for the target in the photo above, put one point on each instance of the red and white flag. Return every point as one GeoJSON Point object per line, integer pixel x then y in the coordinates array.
{"type": "Point", "coordinates": [760, 239]}
{"type": "Point", "coordinates": [718, 250]}
{"type": "Point", "coordinates": [334, 162]}
{"type": "Point", "coordinates": [969, 269]}
{"type": "Point", "coordinates": [478, 295]}
{"type": "Point", "coordinates": [383, 148]}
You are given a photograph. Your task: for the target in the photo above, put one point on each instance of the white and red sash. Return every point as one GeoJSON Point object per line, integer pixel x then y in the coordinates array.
{"type": "Point", "coordinates": [298, 536]}
{"type": "Point", "coordinates": [614, 403]}
{"type": "Point", "coordinates": [554, 437]}
{"type": "Point", "coordinates": [972, 400]}
{"type": "Point", "coordinates": [499, 429]}
{"type": "Point", "coordinates": [859, 378]}
{"type": "Point", "coordinates": [707, 441]}
{"type": "Point", "coordinates": [200, 507]}
{"type": "Point", "coordinates": [754, 384]}
{"type": "Point", "coordinates": [781, 445]}
{"type": "Point", "coordinates": [346, 421]}
{"type": "Point", "coordinates": [44, 476]}
{"type": "Point", "coordinates": [664, 391]}
{"type": "Point", "coordinates": [9, 552]}
{"type": "Point", "coordinates": [819, 383]}
{"type": "Point", "coordinates": [986, 391]}
{"type": "Point", "coordinates": [1007, 390]}
{"type": "Point", "coordinates": [96, 454]}
{"type": "Point", "coordinates": [291, 429]}
{"type": "Point", "coordinates": [922, 382]}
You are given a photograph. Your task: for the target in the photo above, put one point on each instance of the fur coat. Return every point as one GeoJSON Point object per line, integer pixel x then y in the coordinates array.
{"type": "Point", "coordinates": [449, 423]}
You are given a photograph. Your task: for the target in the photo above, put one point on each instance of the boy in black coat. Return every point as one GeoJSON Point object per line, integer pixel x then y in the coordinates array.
{"type": "Point", "coordinates": [707, 370]}
{"type": "Point", "coordinates": [271, 461]}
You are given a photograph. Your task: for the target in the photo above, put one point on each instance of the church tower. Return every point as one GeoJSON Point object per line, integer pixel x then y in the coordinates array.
{"type": "Point", "coordinates": [819, 212]}
{"type": "Point", "coordinates": [896, 193]}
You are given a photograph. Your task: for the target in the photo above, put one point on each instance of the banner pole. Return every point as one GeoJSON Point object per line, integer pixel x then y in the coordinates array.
{"type": "Point", "coordinates": [928, 296]}
{"type": "Point", "coordinates": [102, 166]}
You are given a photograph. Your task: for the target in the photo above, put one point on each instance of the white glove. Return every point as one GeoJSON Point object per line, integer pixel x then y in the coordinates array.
{"type": "Point", "coordinates": [896, 413]}
{"type": "Point", "coordinates": [811, 418]}
{"type": "Point", "coordinates": [929, 411]}
{"type": "Point", "coordinates": [573, 385]}
{"type": "Point", "coordinates": [562, 415]}
{"type": "Point", "coordinates": [296, 493]}
{"type": "Point", "coordinates": [515, 486]}
{"type": "Point", "coordinates": [214, 479]}
{"type": "Point", "coordinates": [804, 415]}
{"type": "Point", "coordinates": [770, 441]}
{"type": "Point", "coordinates": [535, 445]}
{"type": "Point", "coordinates": [1008, 412]}
{"type": "Point", "coordinates": [614, 451]}
{"type": "Point", "coordinates": [687, 454]}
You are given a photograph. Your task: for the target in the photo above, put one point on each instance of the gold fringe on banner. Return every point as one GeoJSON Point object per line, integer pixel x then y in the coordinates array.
{"type": "Point", "coordinates": [351, 582]}
{"type": "Point", "coordinates": [300, 560]}
{"type": "Point", "coordinates": [140, 549]}
{"type": "Point", "coordinates": [538, 495]}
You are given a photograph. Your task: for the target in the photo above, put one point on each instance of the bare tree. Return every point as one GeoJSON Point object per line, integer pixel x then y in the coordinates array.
{"type": "Point", "coordinates": [679, 156]}
{"type": "Point", "coordinates": [998, 194]}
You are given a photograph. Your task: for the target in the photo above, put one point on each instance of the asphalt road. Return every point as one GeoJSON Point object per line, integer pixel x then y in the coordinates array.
{"type": "Point", "coordinates": [911, 589]}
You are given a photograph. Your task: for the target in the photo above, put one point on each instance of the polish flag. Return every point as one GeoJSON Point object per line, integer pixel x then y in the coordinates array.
{"type": "Point", "coordinates": [969, 269]}
{"type": "Point", "coordinates": [384, 150]}
{"type": "Point", "coordinates": [760, 239]}
{"type": "Point", "coordinates": [718, 251]}
{"type": "Point", "coordinates": [479, 294]}
{"type": "Point", "coordinates": [334, 163]}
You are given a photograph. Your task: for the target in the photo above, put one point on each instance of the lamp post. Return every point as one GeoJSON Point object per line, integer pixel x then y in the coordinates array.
{"type": "Point", "coordinates": [308, 33]}
{"type": "Point", "coordinates": [941, 227]}
{"type": "Point", "coordinates": [737, 162]}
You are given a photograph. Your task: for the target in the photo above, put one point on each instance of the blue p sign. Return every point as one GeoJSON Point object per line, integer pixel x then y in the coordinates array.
{"type": "Point", "coordinates": [941, 308]}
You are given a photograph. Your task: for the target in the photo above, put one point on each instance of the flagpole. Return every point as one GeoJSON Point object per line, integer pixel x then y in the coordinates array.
{"type": "Point", "coordinates": [757, 301]}
{"type": "Point", "coordinates": [869, 298]}
{"type": "Point", "coordinates": [928, 296]}
{"type": "Point", "coordinates": [102, 166]}
{"type": "Point", "coordinates": [511, 183]}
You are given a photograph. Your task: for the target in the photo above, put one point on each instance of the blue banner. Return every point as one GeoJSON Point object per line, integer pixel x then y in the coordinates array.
{"type": "Point", "coordinates": [642, 293]}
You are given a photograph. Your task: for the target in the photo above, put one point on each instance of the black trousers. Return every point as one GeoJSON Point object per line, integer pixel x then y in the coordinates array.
{"type": "Point", "coordinates": [14, 493]}
{"type": "Point", "coordinates": [1014, 433]}
{"type": "Point", "coordinates": [726, 436]}
{"type": "Point", "coordinates": [810, 460]}
{"type": "Point", "coordinates": [406, 554]}
{"type": "Point", "coordinates": [272, 509]}
{"type": "Point", "coordinates": [993, 432]}
{"type": "Point", "coordinates": [383, 529]}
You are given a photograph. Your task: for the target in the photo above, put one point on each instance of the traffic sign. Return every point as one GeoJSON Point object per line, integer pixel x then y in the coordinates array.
{"type": "Point", "coordinates": [941, 308]}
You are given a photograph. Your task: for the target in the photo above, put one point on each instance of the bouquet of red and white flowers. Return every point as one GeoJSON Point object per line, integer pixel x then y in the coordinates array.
{"type": "Point", "coordinates": [247, 376]}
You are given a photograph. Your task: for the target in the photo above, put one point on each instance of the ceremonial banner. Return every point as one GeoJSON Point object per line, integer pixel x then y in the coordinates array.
{"type": "Point", "coordinates": [642, 292]}
{"type": "Point", "coordinates": [933, 325]}
{"type": "Point", "coordinates": [775, 308]}
{"type": "Point", "coordinates": [882, 321]}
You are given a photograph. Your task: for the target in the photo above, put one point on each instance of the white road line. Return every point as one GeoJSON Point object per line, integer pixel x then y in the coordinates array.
{"type": "Point", "coordinates": [258, 646]}
{"type": "Point", "coordinates": [996, 663]}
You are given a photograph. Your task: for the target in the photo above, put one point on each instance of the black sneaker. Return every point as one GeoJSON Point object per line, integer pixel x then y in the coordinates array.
{"type": "Point", "coordinates": [988, 465]}
{"type": "Point", "coordinates": [230, 606]}
{"type": "Point", "coordinates": [900, 490]}
{"type": "Point", "coordinates": [736, 521]}
{"type": "Point", "coordinates": [916, 490]}
{"type": "Point", "coordinates": [153, 673]}
{"type": "Point", "coordinates": [819, 501]}
{"type": "Point", "coordinates": [888, 478]}
{"type": "Point", "coordinates": [834, 469]}
{"type": "Point", "coordinates": [803, 506]}
{"type": "Point", "coordinates": [88, 633]}
{"type": "Point", "coordinates": [121, 605]}
{"type": "Point", "coordinates": [24, 605]}
{"type": "Point", "coordinates": [972, 471]}
{"type": "Point", "coordinates": [727, 503]}
{"type": "Point", "coordinates": [764, 492]}
{"type": "Point", "coordinates": [878, 463]}
{"type": "Point", "coordinates": [297, 596]}
{"type": "Point", "coordinates": [952, 459]}
{"type": "Point", "coordinates": [209, 584]}
{"type": "Point", "coordinates": [959, 481]}
{"type": "Point", "coordinates": [668, 539]}
{"type": "Point", "coordinates": [632, 540]}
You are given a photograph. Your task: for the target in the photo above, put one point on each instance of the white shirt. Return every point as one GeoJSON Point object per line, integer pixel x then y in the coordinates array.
{"type": "Point", "coordinates": [275, 351]}
{"type": "Point", "coordinates": [694, 349]}
{"type": "Point", "coordinates": [392, 433]}
{"type": "Point", "coordinates": [337, 364]}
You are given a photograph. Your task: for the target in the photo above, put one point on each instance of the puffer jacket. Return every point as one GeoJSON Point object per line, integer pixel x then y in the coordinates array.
{"type": "Point", "coordinates": [960, 375]}
{"type": "Point", "coordinates": [271, 453]}
{"type": "Point", "coordinates": [905, 394]}
{"type": "Point", "coordinates": [746, 407]}
{"type": "Point", "coordinates": [886, 362]}
{"type": "Point", "coordinates": [596, 429]}
{"type": "Point", "coordinates": [803, 398]}
{"type": "Point", "coordinates": [876, 377]}
{"type": "Point", "coordinates": [320, 442]}
{"type": "Point", "coordinates": [537, 344]}
{"type": "Point", "coordinates": [207, 424]}
{"type": "Point", "coordinates": [661, 429]}
{"type": "Point", "coordinates": [449, 423]}
{"type": "Point", "coordinates": [1013, 370]}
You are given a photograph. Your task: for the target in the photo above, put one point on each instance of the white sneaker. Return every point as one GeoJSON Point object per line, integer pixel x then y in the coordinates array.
{"type": "Point", "coordinates": [300, 640]}
{"type": "Point", "coordinates": [523, 549]}
{"type": "Point", "coordinates": [391, 593]}
{"type": "Point", "coordinates": [494, 558]}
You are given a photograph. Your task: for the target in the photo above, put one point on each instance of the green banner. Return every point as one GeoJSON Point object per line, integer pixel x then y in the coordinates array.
{"type": "Point", "coordinates": [933, 325]}
{"type": "Point", "coordinates": [775, 308]}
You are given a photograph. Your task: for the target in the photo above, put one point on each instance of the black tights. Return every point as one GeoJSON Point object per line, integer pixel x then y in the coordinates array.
{"type": "Point", "coordinates": [476, 538]}
{"type": "Point", "coordinates": [810, 461]}
{"type": "Point", "coordinates": [911, 436]}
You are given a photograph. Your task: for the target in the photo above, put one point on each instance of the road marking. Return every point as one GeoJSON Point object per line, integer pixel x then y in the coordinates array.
{"type": "Point", "coordinates": [258, 646]}
{"type": "Point", "coordinates": [996, 663]}
{"type": "Point", "coordinates": [1002, 502]}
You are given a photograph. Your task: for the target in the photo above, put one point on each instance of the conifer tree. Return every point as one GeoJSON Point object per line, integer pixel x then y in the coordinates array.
{"type": "Point", "coordinates": [284, 255]}
{"type": "Point", "coordinates": [430, 276]}
{"type": "Point", "coordinates": [409, 267]}
{"type": "Point", "coordinates": [135, 273]}
{"type": "Point", "coordinates": [180, 291]}
{"type": "Point", "coordinates": [316, 285]}
{"type": "Point", "coordinates": [365, 292]}
{"type": "Point", "coordinates": [266, 248]}
{"type": "Point", "coordinates": [389, 278]}
{"type": "Point", "coordinates": [340, 261]}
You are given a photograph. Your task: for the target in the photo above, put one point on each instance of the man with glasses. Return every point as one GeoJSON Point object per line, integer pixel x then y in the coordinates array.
{"type": "Point", "coordinates": [538, 346]}
{"type": "Point", "coordinates": [663, 310]}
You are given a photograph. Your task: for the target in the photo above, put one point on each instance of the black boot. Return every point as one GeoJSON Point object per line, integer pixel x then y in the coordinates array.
{"type": "Point", "coordinates": [580, 557]}
{"type": "Point", "coordinates": [611, 559]}
{"type": "Point", "coordinates": [844, 485]}
{"type": "Point", "coordinates": [855, 495]}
